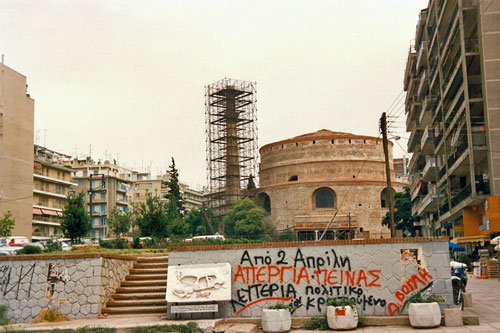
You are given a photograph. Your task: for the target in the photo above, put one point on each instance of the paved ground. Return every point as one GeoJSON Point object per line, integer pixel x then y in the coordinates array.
{"type": "Point", "coordinates": [485, 297]}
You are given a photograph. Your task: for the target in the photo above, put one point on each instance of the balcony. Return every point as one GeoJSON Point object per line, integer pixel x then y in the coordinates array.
{"type": "Point", "coordinates": [471, 45]}
{"type": "Point", "coordinates": [427, 203]}
{"type": "Point", "coordinates": [422, 55]}
{"type": "Point", "coordinates": [441, 173]}
{"type": "Point", "coordinates": [438, 138]}
{"type": "Point", "coordinates": [38, 175]}
{"type": "Point", "coordinates": [456, 155]}
{"type": "Point", "coordinates": [51, 194]}
{"type": "Point", "coordinates": [451, 26]}
{"type": "Point", "coordinates": [460, 195]}
{"type": "Point", "coordinates": [427, 110]}
{"type": "Point", "coordinates": [416, 180]}
{"type": "Point", "coordinates": [443, 209]}
{"type": "Point", "coordinates": [424, 82]}
{"type": "Point", "coordinates": [426, 143]}
{"type": "Point", "coordinates": [469, 4]}
{"type": "Point", "coordinates": [428, 173]}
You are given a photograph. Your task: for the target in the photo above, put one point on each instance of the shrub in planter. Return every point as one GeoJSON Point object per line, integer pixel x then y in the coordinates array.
{"type": "Point", "coordinates": [342, 313]}
{"type": "Point", "coordinates": [424, 312]}
{"type": "Point", "coordinates": [276, 318]}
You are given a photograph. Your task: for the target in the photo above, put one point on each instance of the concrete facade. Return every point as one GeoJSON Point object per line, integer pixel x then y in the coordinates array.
{"type": "Point", "coordinates": [51, 186]}
{"type": "Point", "coordinates": [16, 150]}
{"type": "Point", "coordinates": [380, 274]}
{"type": "Point", "coordinates": [453, 110]}
{"type": "Point", "coordinates": [348, 170]}
{"type": "Point", "coordinates": [78, 286]}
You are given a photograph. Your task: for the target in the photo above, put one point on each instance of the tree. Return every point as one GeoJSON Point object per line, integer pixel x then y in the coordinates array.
{"type": "Point", "coordinates": [151, 217]}
{"type": "Point", "coordinates": [76, 222]}
{"type": "Point", "coordinates": [119, 222]}
{"type": "Point", "coordinates": [402, 212]}
{"type": "Point", "coordinates": [201, 221]}
{"type": "Point", "coordinates": [176, 225]}
{"type": "Point", "coordinates": [174, 193]}
{"type": "Point", "coordinates": [244, 219]}
{"type": "Point", "coordinates": [6, 224]}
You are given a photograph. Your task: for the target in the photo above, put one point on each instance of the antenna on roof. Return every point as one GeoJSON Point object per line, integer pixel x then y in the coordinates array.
{"type": "Point", "coordinates": [3, 57]}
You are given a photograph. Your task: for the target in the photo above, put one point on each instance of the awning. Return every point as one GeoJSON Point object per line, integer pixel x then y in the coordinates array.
{"type": "Point", "coordinates": [50, 212]}
{"type": "Point", "coordinates": [37, 211]}
{"type": "Point", "coordinates": [472, 239]}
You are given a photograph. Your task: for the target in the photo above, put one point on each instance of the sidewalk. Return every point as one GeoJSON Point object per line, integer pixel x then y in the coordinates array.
{"type": "Point", "coordinates": [485, 298]}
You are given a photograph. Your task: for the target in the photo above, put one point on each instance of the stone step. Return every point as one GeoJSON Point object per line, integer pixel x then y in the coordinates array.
{"type": "Point", "coordinates": [163, 259]}
{"type": "Point", "coordinates": [148, 271]}
{"type": "Point", "coordinates": [144, 283]}
{"type": "Point", "coordinates": [137, 303]}
{"type": "Point", "coordinates": [135, 295]}
{"type": "Point", "coordinates": [150, 265]}
{"type": "Point", "coordinates": [141, 289]}
{"type": "Point", "coordinates": [134, 310]}
{"type": "Point", "coordinates": [132, 277]}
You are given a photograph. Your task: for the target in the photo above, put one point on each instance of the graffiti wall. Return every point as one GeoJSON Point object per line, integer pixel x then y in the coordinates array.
{"type": "Point", "coordinates": [380, 277]}
{"type": "Point", "coordinates": [74, 285]}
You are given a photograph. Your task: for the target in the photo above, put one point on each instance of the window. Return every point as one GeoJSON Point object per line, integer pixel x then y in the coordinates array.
{"type": "Point", "coordinates": [150, 185]}
{"type": "Point", "coordinates": [384, 199]}
{"type": "Point", "coordinates": [264, 201]}
{"type": "Point", "coordinates": [293, 178]}
{"type": "Point", "coordinates": [324, 198]}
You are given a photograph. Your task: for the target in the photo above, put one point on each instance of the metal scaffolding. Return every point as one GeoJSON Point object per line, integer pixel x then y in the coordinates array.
{"type": "Point", "coordinates": [231, 140]}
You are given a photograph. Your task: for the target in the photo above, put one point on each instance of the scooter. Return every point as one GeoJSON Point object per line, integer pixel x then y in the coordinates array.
{"type": "Point", "coordinates": [458, 282]}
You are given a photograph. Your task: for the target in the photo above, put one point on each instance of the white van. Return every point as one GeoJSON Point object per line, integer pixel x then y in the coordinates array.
{"type": "Point", "coordinates": [195, 238]}
{"type": "Point", "coordinates": [14, 241]}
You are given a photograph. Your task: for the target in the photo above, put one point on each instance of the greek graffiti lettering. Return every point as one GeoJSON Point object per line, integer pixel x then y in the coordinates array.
{"type": "Point", "coordinates": [8, 283]}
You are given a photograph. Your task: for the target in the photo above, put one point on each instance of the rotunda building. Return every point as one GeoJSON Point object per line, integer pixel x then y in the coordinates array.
{"type": "Point", "coordinates": [325, 179]}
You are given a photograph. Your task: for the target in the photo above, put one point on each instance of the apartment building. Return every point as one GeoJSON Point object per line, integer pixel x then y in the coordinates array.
{"type": "Point", "coordinates": [51, 186]}
{"type": "Point", "coordinates": [16, 149]}
{"type": "Point", "coordinates": [106, 185]}
{"type": "Point", "coordinates": [452, 80]}
{"type": "Point", "coordinates": [145, 186]}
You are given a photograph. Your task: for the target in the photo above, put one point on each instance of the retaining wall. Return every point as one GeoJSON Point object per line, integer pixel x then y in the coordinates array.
{"type": "Point", "coordinates": [79, 285]}
{"type": "Point", "coordinates": [380, 274]}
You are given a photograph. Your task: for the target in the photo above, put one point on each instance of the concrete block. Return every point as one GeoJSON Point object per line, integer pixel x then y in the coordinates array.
{"type": "Point", "coordinates": [467, 299]}
{"type": "Point", "coordinates": [274, 320]}
{"type": "Point", "coordinates": [424, 315]}
{"type": "Point", "coordinates": [453, 317]}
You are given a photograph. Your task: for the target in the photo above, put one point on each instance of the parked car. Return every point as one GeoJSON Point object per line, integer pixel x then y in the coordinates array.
{"type": "Point", "coordinates": [6, 250]}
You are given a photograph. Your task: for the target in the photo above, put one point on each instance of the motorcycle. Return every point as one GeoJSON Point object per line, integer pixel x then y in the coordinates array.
{"type": "Point", "coordinates": [458, 282]}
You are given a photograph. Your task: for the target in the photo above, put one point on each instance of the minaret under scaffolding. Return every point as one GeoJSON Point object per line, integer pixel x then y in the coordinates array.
{"type": "Point", "coordinates": [231, 140]}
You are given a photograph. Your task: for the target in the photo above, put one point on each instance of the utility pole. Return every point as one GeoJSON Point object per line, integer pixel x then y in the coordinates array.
{"type": "Point", "coordinates": [383, 129]}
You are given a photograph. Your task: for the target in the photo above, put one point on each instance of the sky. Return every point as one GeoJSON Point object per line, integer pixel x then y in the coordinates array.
{"type": "Point", "coordinates": [125, 80]}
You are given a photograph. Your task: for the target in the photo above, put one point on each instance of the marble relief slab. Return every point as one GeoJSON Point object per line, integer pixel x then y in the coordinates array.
{"type": "Point", "coordinates": [199, 283]}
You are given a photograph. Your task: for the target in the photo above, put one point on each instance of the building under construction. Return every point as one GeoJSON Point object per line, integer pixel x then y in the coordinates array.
{"type": "Point", "coordinates": [231, 139]}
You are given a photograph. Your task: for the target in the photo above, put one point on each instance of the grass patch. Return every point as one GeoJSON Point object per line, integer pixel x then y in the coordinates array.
{"type": "Point", "coordinates": [190, 327]}
{"type": "Point", "coordinates": [87, 329]}
{"type": "Point", "coordinates": [51, 315]}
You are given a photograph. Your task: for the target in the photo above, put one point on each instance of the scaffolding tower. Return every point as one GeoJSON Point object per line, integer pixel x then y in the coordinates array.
{"type": "Point", "coordinates": [231, 141]}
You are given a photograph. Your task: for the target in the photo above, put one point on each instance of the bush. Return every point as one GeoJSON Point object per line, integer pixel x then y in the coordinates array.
{"type": "Point", "coordinates": [317, 323]}
{"type": "Point", "coordinates": [279, 306]}
{"type": "Point", "coordinates": [53, 246]}
{"type": "Point", "coordinates": [30, 249]}
{"type": "Point", "coordinates": [136, 243]}
{"type": "Point", "coordinates": [4, 320]}
{"type": "Point", "coordinates": [341, 301]}
{"type": "Point", "coordinates": [113, 244]}
{"type": "Point", "coordinates": [287, 235]}
{"type": "Point", "coordinates": [50, 315]}
{"type": "Point", "coordinates": [190, 327]}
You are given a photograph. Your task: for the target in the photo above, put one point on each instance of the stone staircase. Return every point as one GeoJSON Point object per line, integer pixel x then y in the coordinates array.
{"type": "Point", "coordinates": [143, 290]}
